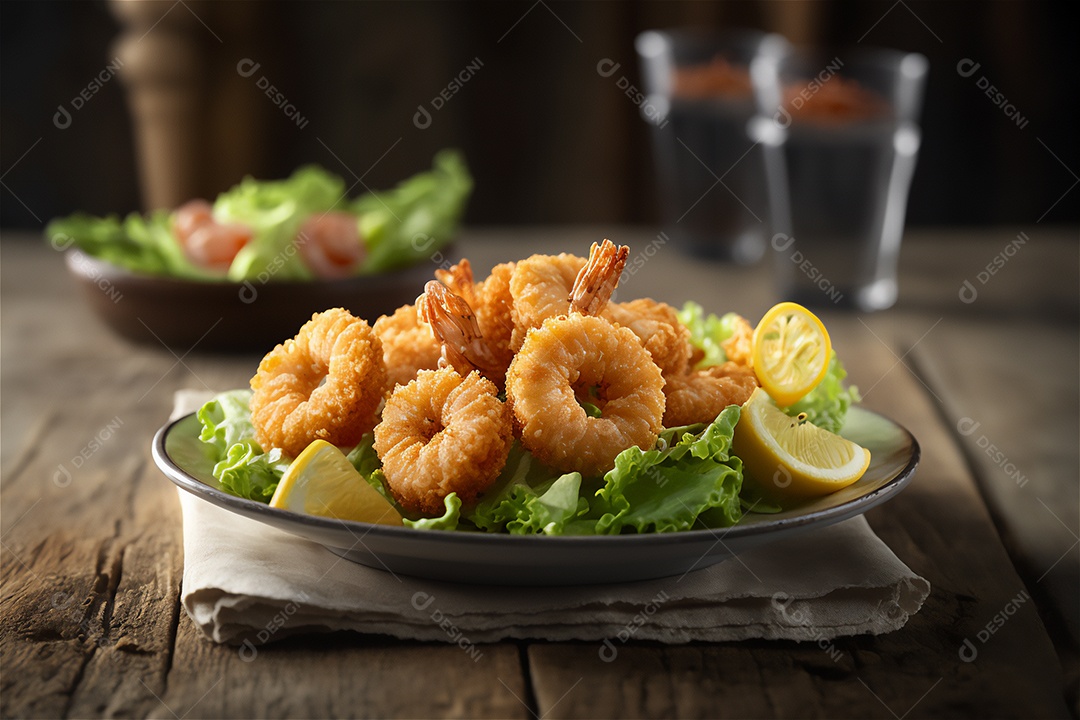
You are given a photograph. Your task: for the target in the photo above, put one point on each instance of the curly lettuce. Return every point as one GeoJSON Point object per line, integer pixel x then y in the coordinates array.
{"type": "Point", "coordinates": [242, 467]}
{"type": "Point", "coordinates": [399, 227]}
{"type": "Point", "coordinates": [690, 476]}
{"type": "Point", "coordinates": [707, 332]}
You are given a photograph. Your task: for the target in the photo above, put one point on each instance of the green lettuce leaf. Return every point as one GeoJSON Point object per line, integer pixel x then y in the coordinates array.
{"type": "Point", "coordinates": [689, 476]}
{"type": "Point", "coordinates": [707, 332]}
{"type": "Point", "coordinates": [447, 521]}
{"type": "Point", "coordinates": [241, 467]}
{"type": "Point", "coordinates": [827, 404]}
{"type": "Point", "coordinates": [529, 498]}
{"type": "Point", "coordinates": [140, 244]}
{"type": "Point", "coordinates": [413, 221]}
{"type": "Point", "coordinates": [274, 210]}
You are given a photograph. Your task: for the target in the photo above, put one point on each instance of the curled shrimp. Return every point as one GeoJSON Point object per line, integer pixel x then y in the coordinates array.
{"type": "Point", "coordinates": [408, 344]}
{"type": "Point", "coordinates": [657, 326]}
{"type": "Point", "coordinates": [540, 288]}
{"type": "Point", "coordinates": [454, 324]}
{"type": "Point", "coordinates": [330, 244]}
{"type": "Point", "coordinates": [699, 396]}
{"type": "Point", "coordinates": [446, 431]}
{"type": "Point", "coordinates": [739, 347]}
{"type": "Point", "coordinates": [206, 242]}
{"type": "Point", "coordinates": [490, 300]}
{"type": "Point", "coordinates": [324, 384]}
{"type": "Point", "coordinates": [584, 356]}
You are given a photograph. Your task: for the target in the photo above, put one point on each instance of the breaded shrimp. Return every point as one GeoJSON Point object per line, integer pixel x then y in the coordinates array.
{"type": "Point", "coordinates": [739, 347]}
{"type": "Point", "coordinates": [324, 384]}
{"type": "Point", "coordinates": [657, 326]}
{"type": "Point", "coordinates": [454, 325]}
{"type": "Point", "coordinates": [701, 395]}
{"type": "Point", "coordinates": [580, 355]}
{"type": "Point", "coordinates": [540, 288]}
{"type": "Point", "coordinates": [491, 302]}
{"type": "Point", "coordinates": [408, 344]}
{"type": "Point", "coordinates": [444, 432]}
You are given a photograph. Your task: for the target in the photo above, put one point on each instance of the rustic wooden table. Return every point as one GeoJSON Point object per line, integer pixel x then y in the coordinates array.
{"type": "Point", "coordinates": [92, 565]}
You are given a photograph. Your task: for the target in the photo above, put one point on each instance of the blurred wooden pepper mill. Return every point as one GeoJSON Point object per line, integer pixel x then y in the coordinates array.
{"type": "Point", "coordinates": [196, 128]}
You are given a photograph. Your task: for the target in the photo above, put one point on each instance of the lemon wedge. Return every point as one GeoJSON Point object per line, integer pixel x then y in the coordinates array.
{"type": "Point", "coordinates": [789, 459]}
{"type": "Point", "coordinates": [790, 352]}
{"type": "Point", "coordinates": [321, 481]}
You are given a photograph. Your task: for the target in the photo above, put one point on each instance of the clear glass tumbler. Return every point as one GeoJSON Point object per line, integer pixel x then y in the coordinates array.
{"type": "Point", "coordinates": [710, 174]}
{"type": "Point", "coordinates": [840, 138]}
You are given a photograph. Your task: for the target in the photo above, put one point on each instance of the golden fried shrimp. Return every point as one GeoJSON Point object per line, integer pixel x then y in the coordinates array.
{"type": "Point", "coordinates": [442, 433]}
{"type": "Point", "coordinates": [540, 288]}
{"type": "Point", "coordinates": [699, 396]}
{"type": "Point", "coordinates": [408, 344]}
{"type": "Point", "coordinates": [490, 300]}
{"type": "Point", "coordinates": [739, 347]}
{"type": "Point", "coordinates": [324, 384]}
{"type": "Point", "coordinates": [583, 356]}
{"type": "Point", "coordinates": [596, 282]}
{"type": "Point", "coordinates": [454, 326]}
{"type": "Point", "coordinates": [657, 326]}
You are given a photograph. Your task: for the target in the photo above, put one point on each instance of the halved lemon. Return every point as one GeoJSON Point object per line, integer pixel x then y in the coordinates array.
{"type": "Point", "coordinates": [321, 481]}
{"type": "Point", "coordinates": [791, 351]}
{"type": "Point", "coordinates": [791, 459]}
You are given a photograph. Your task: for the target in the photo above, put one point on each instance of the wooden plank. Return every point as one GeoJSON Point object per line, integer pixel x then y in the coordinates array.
{"type": "Point", "coordinates": [938, 526]}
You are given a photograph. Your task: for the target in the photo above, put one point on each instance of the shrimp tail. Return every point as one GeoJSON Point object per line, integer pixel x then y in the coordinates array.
{"type": "Point", "coordinates": [597, 280]}
{"type": "Point", "coordinates": [454, 325]}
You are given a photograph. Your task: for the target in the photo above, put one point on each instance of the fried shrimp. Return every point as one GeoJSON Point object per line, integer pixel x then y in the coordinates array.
{"type": "Point", "coordinates": [581, 357]}
{"type": "Point", "coordinates": [455, 327]}
{"type": "Point", "coordinates": [490, 300]}
{"type": "Point", "coordinates": [699, 396]}
{"type": "Point", "coordinates": [446, 431]}
{"type": "Point", "coordinates": [657, 326]}
{"type": "Point", "coordinates": [408, 344]}
{"type": "Point", "coordinates": [739, 347]}
{"type": "Point", "coordinates": [324, 384]}
{"type": "Point", "coordinates": [540, 288]}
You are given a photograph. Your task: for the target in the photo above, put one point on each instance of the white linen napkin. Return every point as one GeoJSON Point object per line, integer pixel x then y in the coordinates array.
{"type": "Point", "coordinates": [248, 583]}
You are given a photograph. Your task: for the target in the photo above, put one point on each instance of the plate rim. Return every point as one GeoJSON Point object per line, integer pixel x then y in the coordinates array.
{"type": "Point", "coordinates": [826, 516]}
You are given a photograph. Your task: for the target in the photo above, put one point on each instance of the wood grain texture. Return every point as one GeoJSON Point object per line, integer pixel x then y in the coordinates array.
{"type": "Point", "coordinates": [91, 559]}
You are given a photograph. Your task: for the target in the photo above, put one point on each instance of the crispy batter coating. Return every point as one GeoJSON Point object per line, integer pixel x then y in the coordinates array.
{"type": "Point", "coordinates": [442, 433]}
{"type": "Point", "coordinates": [408, 344]}
{"type": "Point", "coordinates": [540, 288]}
{"type": "Point", "coordinates": [584, 356]}
{"type": "Point", "coordinates": [657, 326]}
{"type": "Point", "coordinates": [324, 384]}
{"type": "Point", "coordinates": [739, 347]}
{"type": "Point", "coordinates": [699, 396]}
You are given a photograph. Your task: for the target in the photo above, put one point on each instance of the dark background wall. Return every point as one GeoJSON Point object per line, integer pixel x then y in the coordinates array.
{"type": "Point", "coordinates": [549, 139]}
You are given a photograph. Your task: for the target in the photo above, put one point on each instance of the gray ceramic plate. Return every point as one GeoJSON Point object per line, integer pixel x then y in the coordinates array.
{"type": "Point", "coordinates": [543, 560]}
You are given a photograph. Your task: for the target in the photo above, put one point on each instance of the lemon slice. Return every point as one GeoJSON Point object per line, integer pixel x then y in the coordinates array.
{"type": "Point", "coordinates": [791, 459]}
{"type": "Point", "coordinates": [791, 350]}
{"type": "Point", "coordinates": [321, 481]}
